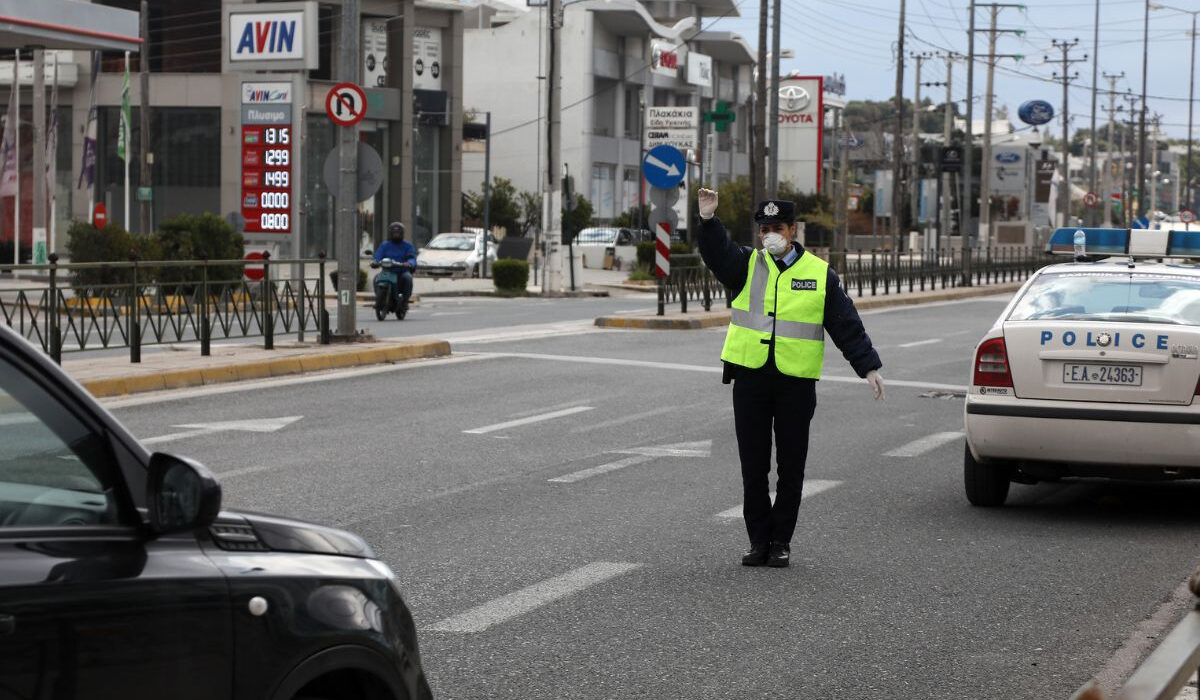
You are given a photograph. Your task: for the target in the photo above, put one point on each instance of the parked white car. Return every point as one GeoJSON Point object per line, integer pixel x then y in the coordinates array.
{"type": "Point", "coordinates": [1092, 369]}
{"type": "Point", "coordinates": [455, 255]}
{"type": "Point", "coordinates": [594, 243]}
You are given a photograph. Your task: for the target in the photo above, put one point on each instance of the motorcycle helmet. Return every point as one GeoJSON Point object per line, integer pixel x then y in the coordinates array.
{"type": "Point", "coordinates": [396, 231]}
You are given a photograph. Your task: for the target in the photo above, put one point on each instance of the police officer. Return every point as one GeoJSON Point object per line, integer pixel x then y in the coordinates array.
{"type": "Point", "coordinates": [787, 300]}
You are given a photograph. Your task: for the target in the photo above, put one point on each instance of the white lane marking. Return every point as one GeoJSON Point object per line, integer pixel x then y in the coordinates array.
{"type": "Point", "coordinates": [448, 313]}
{"type": "Point", "coordinates": [600, 469]}
{"type": "Point", "coordinates": [915, 343]}
{"type": "Point", "coordinates": [526, 421]}
{"type": "Point", "coordinates": [624, 419]}
{"type": "Point", "coordinates": [528, 599]}
{"type": "Point", "coordinates": [898, 382]}
{"type": "Point", "coordinates": [1003, 298]}
{"type": "Point", "coordinates": [543, 409]}
{"type": "Point", "coordinates": [929, 443]}
{"type": "Point", "coordinates": [811, 488]}
{"type": "Point", "coordinates": [702, 448]}
{"type": "Point", "coordinates": [249, 470]}
{"type": "Point", "coordinates": [275, 383]}
{"type": "Point", "coordinates": [265, 425]}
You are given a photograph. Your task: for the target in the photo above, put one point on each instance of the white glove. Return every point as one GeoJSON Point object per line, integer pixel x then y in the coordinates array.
{"type": "Point", "coordinates": [876, 383]}
{"type": "Point", "coordinates": [707, 200]}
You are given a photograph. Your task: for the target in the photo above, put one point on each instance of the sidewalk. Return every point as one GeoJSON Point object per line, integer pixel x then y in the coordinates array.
{"type": "Point", "coordinates": [170, 369]}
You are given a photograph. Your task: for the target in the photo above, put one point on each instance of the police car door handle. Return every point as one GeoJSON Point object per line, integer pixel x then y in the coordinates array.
{"type": "Point", "coordinates": [8, 624]}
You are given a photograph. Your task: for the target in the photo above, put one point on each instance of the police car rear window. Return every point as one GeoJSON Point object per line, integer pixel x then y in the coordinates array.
{"type": "Point", "coordinates": [1111, 296]}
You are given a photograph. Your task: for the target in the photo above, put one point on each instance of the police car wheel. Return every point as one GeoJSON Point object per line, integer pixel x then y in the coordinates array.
{"type": "Point", "coordinates": [986, 483]}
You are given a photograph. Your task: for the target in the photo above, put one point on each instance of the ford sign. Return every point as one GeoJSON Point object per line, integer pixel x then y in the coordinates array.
{"type": "Point", "coordinates": [1036, 112]}
{"type": "Point", "coordinates": [1008, 157]}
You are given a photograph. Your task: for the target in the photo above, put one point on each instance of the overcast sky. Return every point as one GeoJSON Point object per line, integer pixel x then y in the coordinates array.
{"type": "Point", "coordinates": [858, 38]}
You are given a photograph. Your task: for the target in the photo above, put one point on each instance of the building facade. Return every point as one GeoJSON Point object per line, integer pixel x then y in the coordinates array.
{"type": "Point", "coordinates": [618, 57]}
{"type": "Point", "coordinates": [202, 97]}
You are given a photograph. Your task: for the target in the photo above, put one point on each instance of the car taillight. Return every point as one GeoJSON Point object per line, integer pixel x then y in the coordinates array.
{"type": "Point", "coordinates": [991, 364]}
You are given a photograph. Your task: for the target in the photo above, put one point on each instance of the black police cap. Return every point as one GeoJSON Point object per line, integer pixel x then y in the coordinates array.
{"type": "Point", "coordinates": [773, 210]}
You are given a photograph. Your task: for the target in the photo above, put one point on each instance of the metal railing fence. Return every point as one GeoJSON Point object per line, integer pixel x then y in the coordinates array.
{"type": "Point", "coordinates": [871, 273]}
{"type": "Point", "coordinates": [81, 308]}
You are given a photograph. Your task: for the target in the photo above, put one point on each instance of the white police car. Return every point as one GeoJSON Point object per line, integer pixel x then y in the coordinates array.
{"type": "Point", "coordinates": [1092, 369]}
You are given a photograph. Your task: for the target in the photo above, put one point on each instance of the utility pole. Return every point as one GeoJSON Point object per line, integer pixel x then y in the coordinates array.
{"type": "Point", "coordinates": [1153, 185]}
{"type": "Point", "coordinates": [760, 104]}
{"type": "Point", "coordinates": [915, 183]}
{"type": "Point", "coordinates": [773, 109]}
{"type": "Point", "coordinates": [346, 237]}
{"type": "Point", "coordinates": [985, 167]}
{"type": "Point", "coordinates": [1095, 66]}
{"type": "Point", "coordinates": [1105, 195]}
{"type": "Point", "coordinates": [553, 216]}
{"type": "Point", "coordinates": [1140, 175]}
{"type": "Point", "coordinates": [947, 131]}
{"type": "Point", "coordinates": [1128, 177]}
{"type": "Point", "coordinates": [1066, 78]}
{"type": "Point", "coordinates": [843, 200]}
{"type": "Point", "coordinates": [966, 201]}
{"type": "Point", "coordinates": [144, 117]}
{"type": "Point", "coordinates": [898, 140]}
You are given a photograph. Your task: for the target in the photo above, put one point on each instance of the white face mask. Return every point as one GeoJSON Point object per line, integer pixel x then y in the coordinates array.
{"type": "Point", "coordinates": [775, 243]}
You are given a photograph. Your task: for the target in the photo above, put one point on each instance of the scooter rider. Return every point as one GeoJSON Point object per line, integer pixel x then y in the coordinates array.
{"type": "Point", "coordinates": [402, 253]}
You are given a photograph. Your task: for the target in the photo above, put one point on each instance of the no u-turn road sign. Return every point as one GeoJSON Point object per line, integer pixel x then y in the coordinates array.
{"type": "Point", "coordinates": [346, 104]}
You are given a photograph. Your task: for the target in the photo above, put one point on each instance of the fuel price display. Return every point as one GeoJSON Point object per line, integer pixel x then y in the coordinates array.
{"type": "Point", "coordinates": [267, 178]}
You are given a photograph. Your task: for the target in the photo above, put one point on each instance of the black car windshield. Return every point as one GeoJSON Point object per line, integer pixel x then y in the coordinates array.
{"type": "Point", "coordinates": [452, 243]}
{"type": "Point", "coordinates": [1136, 297]}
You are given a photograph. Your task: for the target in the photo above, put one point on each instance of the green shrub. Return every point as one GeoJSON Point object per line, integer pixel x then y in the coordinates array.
{"type": "Point", "coordinates": [511, 276]}
{"type": "Point", "coordinates": [87, 244]}
{"type": "Point", "coordinates": [190, 237]}
{"type": "Point", "coordinates": [641, 273]}
{"type": "Point", "coordinates": [362, 280]}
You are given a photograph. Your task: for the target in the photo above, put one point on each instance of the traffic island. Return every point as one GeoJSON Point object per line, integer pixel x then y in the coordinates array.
{"type": "Point", "coordinates": [172, 368]}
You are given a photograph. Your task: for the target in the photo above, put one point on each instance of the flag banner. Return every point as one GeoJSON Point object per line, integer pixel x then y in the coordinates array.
{"type": "Point", "coordinates": [8, 149]}
{"type": "Point", "coordinates": [87, 169]}
{"type": "Point", "coordinates": [123, 137]}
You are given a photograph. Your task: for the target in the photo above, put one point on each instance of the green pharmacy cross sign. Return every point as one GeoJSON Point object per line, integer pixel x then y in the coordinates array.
{"type": "Point", "coordinates": [721, 117]}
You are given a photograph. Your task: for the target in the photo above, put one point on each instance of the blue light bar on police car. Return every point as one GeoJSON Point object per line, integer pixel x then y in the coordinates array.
{"type": "Point", "coordinates": [1148, 243]}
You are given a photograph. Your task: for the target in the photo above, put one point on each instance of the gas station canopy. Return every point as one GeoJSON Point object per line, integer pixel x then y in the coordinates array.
{"type": "Point", "coordinates": [65, 24]}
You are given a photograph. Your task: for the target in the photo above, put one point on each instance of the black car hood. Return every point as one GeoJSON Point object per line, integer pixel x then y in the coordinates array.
{"type": "Point", "coordinates": [239, 530]}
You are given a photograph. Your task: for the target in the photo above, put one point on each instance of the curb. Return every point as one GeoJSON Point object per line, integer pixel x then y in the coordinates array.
{"type": "Point", "coordinates": [263, 369]}
{"type": "Point", "coordinates": [710, 319]}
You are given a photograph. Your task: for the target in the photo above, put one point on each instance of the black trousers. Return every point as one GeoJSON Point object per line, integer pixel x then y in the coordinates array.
{"type": "Point", "coordinates": [766, 400]}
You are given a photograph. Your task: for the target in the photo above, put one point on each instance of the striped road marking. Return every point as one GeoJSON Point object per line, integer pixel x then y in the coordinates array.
{"type": "Point", "coordinates": [526, 421]}
{"type": "Point", "coordinates": [811, 488]}
{"type": "Point", "coordinates": [915, 343]}
{"type": "Point", "coordinates": [601, 469]}
{"type": "Point", "coordinates": [528, 599]}
{"type": "Point", "coordinates": [702, 448]}
{"type": "Point", "coordinates": [916, 448]}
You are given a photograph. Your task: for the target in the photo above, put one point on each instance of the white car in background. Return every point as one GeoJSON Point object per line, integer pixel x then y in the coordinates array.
{"type": "Point", "coordinates": [455, 255]}
{"type": "Point", "coordinates": [596, 243]}
{"type": "Point", "coordinates": [1093, 369]}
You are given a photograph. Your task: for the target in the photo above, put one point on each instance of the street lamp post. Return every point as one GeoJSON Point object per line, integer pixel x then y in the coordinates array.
{"type": "Point", "coordinates": [1187, 177]}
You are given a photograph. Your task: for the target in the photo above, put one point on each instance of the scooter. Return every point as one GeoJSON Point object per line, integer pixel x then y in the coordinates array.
{"type": "Point", "coordinates": [387, 290]}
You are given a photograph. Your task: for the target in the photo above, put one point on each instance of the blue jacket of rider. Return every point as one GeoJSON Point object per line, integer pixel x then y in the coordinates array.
{"type": "Point", "coordinates": [401, 252]}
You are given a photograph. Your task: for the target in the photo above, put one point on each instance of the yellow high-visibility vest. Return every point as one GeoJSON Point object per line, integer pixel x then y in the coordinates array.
{"type": "Point", "coordinates": [788, 307]}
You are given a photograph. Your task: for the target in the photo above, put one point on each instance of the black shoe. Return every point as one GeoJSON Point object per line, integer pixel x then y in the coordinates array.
{"type": "Point", "coordinates": [755, 556]}
{"type": "Point", "coordinates": [780, 552]}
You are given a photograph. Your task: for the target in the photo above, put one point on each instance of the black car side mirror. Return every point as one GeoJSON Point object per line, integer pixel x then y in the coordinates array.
{"type": "Point", "coordinates": [181, 494]}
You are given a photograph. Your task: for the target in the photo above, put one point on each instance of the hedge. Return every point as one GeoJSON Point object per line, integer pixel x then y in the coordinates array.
{"type": "Point", "coordinates": [511, 276]}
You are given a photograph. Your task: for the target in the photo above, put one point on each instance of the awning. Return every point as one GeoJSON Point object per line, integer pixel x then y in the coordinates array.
{"type": "Point", "coordinates": [65, 24]}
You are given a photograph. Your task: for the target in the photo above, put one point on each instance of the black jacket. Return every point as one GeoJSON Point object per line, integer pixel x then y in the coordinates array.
{"type": "Point", "coordinates": [730, 263]}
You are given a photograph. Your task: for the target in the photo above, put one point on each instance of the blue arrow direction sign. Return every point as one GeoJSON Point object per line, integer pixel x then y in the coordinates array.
{"type": "Point", "coordinates": [664, 166]}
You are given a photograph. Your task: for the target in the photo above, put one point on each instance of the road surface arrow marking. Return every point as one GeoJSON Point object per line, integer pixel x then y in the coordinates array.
{"type": "Point", "coordinates": [671, 169]}
{"type": "Point", "coordinates": [639, 456]}
{"type": "Point", "coordinates": [263, 425]}
{"type": "Point", "coordinates": [811, 488]}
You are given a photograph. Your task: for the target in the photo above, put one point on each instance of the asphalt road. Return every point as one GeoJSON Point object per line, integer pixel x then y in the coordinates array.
{"type": "Point", "coordinates": [561, 507]}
